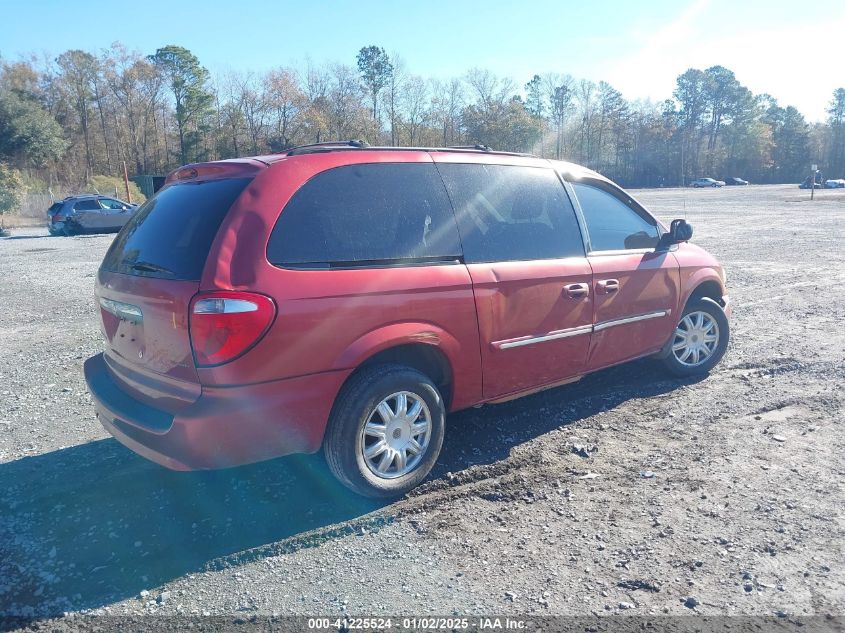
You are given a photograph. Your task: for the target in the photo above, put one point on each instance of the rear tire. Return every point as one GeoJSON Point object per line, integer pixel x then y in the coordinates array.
{"type": "Point", "coordinates": [385, 431]}
{"type": "Point", "coordinates": [700, 339]}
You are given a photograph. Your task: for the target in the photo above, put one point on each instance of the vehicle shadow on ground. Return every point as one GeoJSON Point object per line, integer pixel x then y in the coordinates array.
{"type": "Point", "coordinates": [27, 237]}
{"type": "Point", "coordinates": [89, 525]}
{"type": "Point", "coordinates": [486, 435]}
{"type": "Point", "coordinates": [86, 526]}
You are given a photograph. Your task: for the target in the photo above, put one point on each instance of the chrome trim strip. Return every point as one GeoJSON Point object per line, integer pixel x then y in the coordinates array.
{"type": "Point", "coordinates": [551, 336]}
{"type": "Point", "coordinates": [624, 251]}
{"type": "Point", "coordinates": [122, 310]}
{"type": "Point", "coordinates": [575, 331]}
{"type": "Point", "coordinates": [640, 317]}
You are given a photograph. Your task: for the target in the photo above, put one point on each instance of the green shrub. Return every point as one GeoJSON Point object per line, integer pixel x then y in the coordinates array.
{"type": "Point", "coordinates": [12, 190]}
{"type": "Point", "coordinates": [114, 186]}
{"type": "Point", "coordinates": [33, 184]}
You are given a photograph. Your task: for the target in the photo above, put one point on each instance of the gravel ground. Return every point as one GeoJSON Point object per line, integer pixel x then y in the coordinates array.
{"type": "Point", "coordinates": [719, 496]}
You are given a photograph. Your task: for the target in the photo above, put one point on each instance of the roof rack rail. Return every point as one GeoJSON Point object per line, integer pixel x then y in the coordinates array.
{"type": "Point", "coordinates": [477, 146]}
{"type": "Point", "coordinates": [326, 146]}
{"type": "Point", "coordinates": [82, 195]}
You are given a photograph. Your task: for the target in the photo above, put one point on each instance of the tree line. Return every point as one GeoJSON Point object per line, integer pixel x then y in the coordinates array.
{"type": "Point", "coordinates": [65, 120]}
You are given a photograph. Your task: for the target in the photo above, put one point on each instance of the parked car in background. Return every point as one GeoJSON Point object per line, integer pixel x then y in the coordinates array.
{"type": "Point", "coordinates": [707, 182]}
{"type": "Point", "coordinates": [344, 298]}
{"type": "Point", "coordinates": [835, 183]}
{"type": "Point", "coordinates": [806, 184]}
{"type": "Point", "coordinates": [732, 181]}
{"type": "Point", "coordinates": [88, 213]}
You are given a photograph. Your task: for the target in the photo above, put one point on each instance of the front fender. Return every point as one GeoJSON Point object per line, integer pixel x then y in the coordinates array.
{"type": "Point", "coordinates": [697, 266]}
{"type": "Point", "coordinates": [692, 279]}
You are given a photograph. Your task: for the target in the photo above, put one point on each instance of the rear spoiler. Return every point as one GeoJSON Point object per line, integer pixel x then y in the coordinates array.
{"type": "Point", "coordinates": [237, 168]}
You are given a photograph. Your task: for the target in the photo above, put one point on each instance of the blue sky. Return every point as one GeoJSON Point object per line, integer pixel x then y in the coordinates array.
{"type": "Point", "coordinates": [789, 49]}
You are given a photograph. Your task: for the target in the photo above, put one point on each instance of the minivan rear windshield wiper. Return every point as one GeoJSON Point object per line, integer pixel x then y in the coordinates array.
{"type": "Point", "coordinates": [151, 268]}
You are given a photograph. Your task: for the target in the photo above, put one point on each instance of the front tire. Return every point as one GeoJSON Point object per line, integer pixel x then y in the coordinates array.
{"type": "Point", "coordinates": [700, 339]}
{"type": "Point", "coordinates": [385, 431]}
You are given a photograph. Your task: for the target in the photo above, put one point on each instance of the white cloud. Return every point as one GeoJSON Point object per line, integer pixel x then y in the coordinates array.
{"type": "Point", "coordinates": [798, 64]}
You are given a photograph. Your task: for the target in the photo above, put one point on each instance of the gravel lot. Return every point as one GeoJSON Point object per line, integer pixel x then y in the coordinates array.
{"type": "Point", "coordinates": [723, 495]}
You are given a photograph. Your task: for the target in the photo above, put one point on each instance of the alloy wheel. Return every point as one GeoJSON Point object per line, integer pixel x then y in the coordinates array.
{"type": "Point", "coordinates": [396, 435]}
{"type": "Point", "coordinates": [696, 339]}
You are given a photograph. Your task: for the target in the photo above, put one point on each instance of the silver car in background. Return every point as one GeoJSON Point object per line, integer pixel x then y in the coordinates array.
{"type": "Point", "coordinates": [707, 182]}
{"type": "Point", "coordinates": [88, 213]}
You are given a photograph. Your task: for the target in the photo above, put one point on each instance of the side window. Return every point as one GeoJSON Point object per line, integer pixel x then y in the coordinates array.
{"type": "Point", "coordinates": [613, 221]}
{"type": "Point", "coordinates": [373, 213]}
{"type": "Point", "coordinates": [512, 213]}
{"type": "Point", "coordinates": [108, 203]}
{"type": "Point", "coordinates": [86, 205]}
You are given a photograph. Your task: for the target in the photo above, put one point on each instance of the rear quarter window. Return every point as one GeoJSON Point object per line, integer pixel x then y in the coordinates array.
{"type": "Point", "coordinates": [170, 235]}
{"type": "Point", "coordinates": [372, 214]}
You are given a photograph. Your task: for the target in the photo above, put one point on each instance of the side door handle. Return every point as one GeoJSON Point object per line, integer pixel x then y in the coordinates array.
{"type": "Point", "coordinates": [576, 291]}
{"type": "Point", "coordinates": [607, 286]}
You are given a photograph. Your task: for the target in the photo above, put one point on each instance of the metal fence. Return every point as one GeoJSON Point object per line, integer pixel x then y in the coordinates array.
{"type": "Point", "coordinates": [35, 205]}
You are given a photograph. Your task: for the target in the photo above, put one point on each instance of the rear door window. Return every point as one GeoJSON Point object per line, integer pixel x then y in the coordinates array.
{"type": "Point", "coordinates": [171, 233]}
{"type": "Point", "coordinates": [512, 213]}
{"type": "Point", "coordinates": [87, 205]}
{"type": "Point", "coordinates": [614, 221]}
{"type": "Point", "coordinates": [373, 214]}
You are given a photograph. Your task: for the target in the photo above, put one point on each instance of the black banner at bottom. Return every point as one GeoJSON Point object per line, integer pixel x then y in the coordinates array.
{"type": "Point", "coordinates": [471, 624]}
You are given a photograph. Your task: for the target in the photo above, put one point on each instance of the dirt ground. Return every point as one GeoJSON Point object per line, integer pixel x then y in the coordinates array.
{"type": "Point", "coordinates": [718, 496]}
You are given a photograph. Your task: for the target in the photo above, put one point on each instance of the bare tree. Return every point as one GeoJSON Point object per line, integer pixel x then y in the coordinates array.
{"type": "Point", "coordinates": [416, 107]}
{"type": "Point", "coordinates": [559, 94]}
{"type": "Point", "coordinates": [286, 103]}
{"type": "Point", "coordinates": [447, 103]}
{"type": "Point", "coordinates": [395, 89]}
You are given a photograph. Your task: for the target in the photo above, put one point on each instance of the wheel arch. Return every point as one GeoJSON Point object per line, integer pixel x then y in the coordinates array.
{"type": "Point", "coordinates": [427, 359]}
{"type": "Point", "coordinates": [710, 287]}
{"type": "Point", "coordinates": [421, 346]}
{"type": "Point", "coordinates": [705, 283]}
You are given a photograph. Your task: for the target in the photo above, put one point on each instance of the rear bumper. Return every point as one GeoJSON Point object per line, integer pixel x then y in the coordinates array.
{"type": "Point", "coordinates": [226, 426]}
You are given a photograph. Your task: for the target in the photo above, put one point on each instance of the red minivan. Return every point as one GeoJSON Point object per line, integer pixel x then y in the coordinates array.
{"type": "Point", "coordinates": [345, 298]}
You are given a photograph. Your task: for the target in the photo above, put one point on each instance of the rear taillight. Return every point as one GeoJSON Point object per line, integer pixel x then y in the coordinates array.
{"type": "Point", "coordinates": [57, 219]}
{"type": "Point", "coordinates": [226, 324]}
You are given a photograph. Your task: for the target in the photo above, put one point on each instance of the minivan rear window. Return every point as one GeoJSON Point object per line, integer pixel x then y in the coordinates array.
{"type": "Point", "coordinates": [171, 233]}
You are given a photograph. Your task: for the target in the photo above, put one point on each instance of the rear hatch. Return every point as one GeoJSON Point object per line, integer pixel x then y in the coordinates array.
{"type": "Point", "coordinates": [146, 282]}
{"type": "Point", "coordinates": [53, 212]}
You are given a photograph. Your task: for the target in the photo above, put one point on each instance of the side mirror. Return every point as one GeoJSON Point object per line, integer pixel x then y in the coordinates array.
{"type": "Point", "coordinates": [679, 231]}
